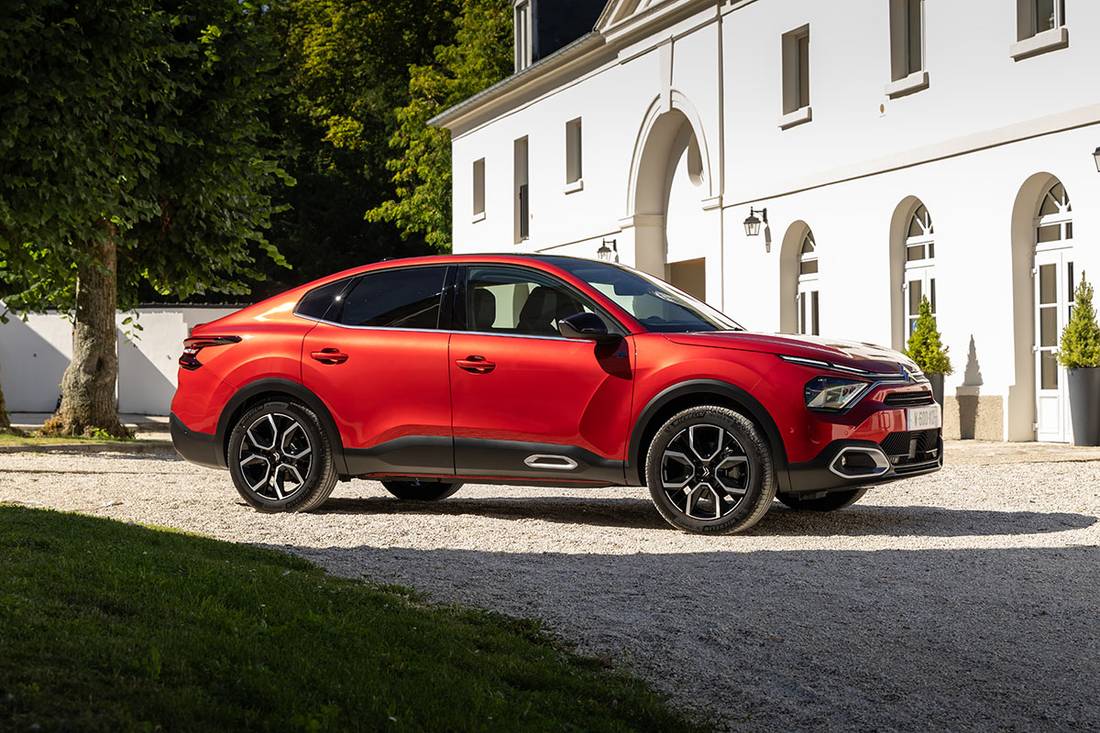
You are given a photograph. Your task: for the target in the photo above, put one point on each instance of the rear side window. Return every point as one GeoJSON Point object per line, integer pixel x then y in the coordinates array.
{"type": "Point", "coordinates": [318, 303]}
{"type": "Point", "coordinates": [402, 298]}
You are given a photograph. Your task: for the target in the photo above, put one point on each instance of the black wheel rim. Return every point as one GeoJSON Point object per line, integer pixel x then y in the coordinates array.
{"type": "Point", "coordinates": [275, 457]}
{"type": "Point", "coordinates": [705, 472]}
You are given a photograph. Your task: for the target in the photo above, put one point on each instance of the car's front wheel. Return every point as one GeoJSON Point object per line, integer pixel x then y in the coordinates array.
{"type": "Point", "coordinates": [280, 458]}
{"type": "Point", "coordinates": [709, 470]}
{"type": "Point", "coordinates": [416, 490]}
{"type": "Point", "coordinates": [831, 502]}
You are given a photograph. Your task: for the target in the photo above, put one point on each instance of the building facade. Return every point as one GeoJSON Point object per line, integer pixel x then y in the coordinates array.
{"type": "Point", "coordinates": [891, 150]}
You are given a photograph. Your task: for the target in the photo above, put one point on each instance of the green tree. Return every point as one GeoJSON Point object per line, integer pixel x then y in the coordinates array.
{"type": "Point", "coordinates": [925, 345]}
{"type": "Point", "coordinates": [480, 56]}
{"type": "Point", "coordinates": [134, 152]}
{"type": "Point", "coordinates": [347, 70]}
{"type": "Point", "coordinates": [1080, 343]}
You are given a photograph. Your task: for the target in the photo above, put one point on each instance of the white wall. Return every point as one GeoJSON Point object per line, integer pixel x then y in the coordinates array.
{"type": "Point", "coordinates": [35, 353]}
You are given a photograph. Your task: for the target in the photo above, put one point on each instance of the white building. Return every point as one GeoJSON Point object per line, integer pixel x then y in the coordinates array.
{"type": "Point", "coordinates": [856, 125]}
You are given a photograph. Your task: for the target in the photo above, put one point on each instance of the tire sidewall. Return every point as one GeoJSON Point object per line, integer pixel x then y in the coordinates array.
{"type": "Point", "coordinates": [761, 490]}
{"type": "Point", "coordinates": [318, 469]}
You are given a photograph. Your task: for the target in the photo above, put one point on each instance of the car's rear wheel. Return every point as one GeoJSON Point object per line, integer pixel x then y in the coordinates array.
{"type": "Point", "coordinates": [831, 502]}
{"type": "Point", "coordinates": [416, 490]}
{"type": "Point", "coordinates": [709, 470]}
{"type": "Point", "coordinates": [280, 458]}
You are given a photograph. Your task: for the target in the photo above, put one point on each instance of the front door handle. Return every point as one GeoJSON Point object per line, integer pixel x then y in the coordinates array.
{"type": "Point", "coordinates": [329, 355]}
{"type": "Point", "coordinates": [476, 364]}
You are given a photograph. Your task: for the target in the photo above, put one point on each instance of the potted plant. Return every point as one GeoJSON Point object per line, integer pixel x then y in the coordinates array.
{"type": "Point", "coordinates": [927, 350]}
{"type": "Point", "coordinates": [1079, 353]}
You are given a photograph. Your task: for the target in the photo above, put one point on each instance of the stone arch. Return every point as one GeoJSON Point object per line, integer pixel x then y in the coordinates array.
{"type": "Point", "coordinates": [1020, 417]}
{"type": "Point", "coordinates": [789, 253]}
{"type": "Point", "coordinates": [670, 171]}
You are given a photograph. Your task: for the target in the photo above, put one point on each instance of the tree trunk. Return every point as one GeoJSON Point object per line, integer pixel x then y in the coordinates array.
{"type": "Point", "coordinates": [5, 423]}
{"type": "Point", "coordinates": [88, 400]}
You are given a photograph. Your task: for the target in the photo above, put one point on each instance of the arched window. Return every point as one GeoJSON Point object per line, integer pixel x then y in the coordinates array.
{"type": "Point", "coordinates": [920, 262]}
{"type": "Point", "coordinates": [1054, 283]}
{"type": "Point", "coordinates": [808, 289]}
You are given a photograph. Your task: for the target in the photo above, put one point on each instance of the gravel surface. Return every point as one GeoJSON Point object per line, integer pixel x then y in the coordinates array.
{"type": "Point", "coordinates": [967, 600]}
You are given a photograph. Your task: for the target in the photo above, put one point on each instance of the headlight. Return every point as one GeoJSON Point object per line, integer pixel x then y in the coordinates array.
{"type": "Point", "coordinates": [833, 393]}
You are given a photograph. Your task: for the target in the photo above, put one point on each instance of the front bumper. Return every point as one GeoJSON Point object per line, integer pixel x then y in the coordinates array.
{"type": "Point", "coordinates": [846, 464]}
{"type": "Point", "coordinates": [193, 446]}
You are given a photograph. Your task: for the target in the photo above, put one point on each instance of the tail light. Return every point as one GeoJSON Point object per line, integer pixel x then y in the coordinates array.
{"type": "Point", "coordinates": [193, 345]}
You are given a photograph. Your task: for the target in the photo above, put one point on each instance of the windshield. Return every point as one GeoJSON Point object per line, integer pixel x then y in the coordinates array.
{"type": "Point", "coordinates": [654, 303]}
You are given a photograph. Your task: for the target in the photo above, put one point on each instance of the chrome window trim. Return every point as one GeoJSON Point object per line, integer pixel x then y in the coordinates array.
{"type": "Point", "coordinates": [442, 330]}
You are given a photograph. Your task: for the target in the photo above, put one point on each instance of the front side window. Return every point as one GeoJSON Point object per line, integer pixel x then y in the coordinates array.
{"type": "Point", "coordinates": [655, 304]}
{"type": "Point", "coordinates": [508, 300]}
{"type": "Point", "coordinates": [407, 297]}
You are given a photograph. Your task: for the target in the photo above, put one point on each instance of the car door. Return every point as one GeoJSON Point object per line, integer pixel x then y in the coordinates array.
{"type": "Point", "coordinates": [527, 403]}
{"type": "Point", "coordinates": [378, 360]}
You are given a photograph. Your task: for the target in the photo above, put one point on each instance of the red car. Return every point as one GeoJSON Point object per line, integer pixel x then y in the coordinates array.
{"type": "Point", "coordinates": [426, 373]}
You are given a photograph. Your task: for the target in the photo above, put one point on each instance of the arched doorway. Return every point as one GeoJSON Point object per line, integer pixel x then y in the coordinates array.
{"type": "Point", "coordinates": [1053, 301]}
{"type": "Point", "coordinates": [912, 267]}
{"type": "Point", "coordinates": [1043, 272]}
{"type": "Point", "coordinates": [674, 236]}
{"type": "Point", "coordinates": [799, 284]}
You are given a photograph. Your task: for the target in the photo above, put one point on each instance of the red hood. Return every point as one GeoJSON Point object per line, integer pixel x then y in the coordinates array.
{"type": "Point", "coordinates": [844, 353]}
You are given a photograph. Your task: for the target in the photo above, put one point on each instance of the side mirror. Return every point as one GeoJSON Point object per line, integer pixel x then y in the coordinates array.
{"type": "Point", "coordinates": [587, 326]}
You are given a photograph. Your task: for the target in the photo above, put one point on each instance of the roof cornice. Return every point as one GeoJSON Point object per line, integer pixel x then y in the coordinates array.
{"type": "Point", "coordinates": [572, 56]}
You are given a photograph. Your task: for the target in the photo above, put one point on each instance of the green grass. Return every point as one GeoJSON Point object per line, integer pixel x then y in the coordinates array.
{"type": "Point", "coordinates": [34, 439]}
{"type": "Point", "coordinates": [108, 626]}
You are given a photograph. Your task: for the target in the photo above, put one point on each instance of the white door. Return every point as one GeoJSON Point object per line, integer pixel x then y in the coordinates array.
{"type": "Point", "coordinates": [1053, 301]}
{"type": "Point", "coordinates": [920, 283]}
{"type": "Point", "coordinates": [809, 322]}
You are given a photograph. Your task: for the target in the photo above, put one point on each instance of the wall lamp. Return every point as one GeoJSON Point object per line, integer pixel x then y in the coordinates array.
{"type": "Point", "coordinates": [608, 254]}
{"type": "Point", "coordinates": [752, 224]}
{"type": "Point", "coordinates": [1096, 157]}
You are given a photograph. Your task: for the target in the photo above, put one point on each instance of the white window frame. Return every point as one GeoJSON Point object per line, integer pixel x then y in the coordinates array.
{"type": "Point", "coordinates": [1030, 41]}
{"type": "Point", "coordinates": [796, 78]}
{"type": "Point", "coordinates": [922, 270]}
{"type": "Point", "coordinates": [574, 155]}
{"type": "Point", "coordinates": [478, 189]}
{"type": "Point", "coordinates": [904, 79]}
{"type": "Point", "coordinates": [523, 27]}
{"type": "Point", "coordinates": [808, 298]}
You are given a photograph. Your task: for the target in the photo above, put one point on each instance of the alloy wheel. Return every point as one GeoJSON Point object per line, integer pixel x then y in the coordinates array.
{"type": "Point", "coordinates": [705, 472]}
{"type": "Point", "coordinates": [275, 456]}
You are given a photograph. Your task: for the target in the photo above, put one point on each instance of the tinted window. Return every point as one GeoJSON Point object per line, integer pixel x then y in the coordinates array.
{"type": "Point", "coordinates": [400, 298]}
{"type": "Point", "coordinates": [317, 302]}
{"type": "Point", "coordinates": [510, 300]}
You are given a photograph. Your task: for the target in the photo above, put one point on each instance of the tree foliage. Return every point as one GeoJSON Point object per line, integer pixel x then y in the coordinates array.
{"type": "Point", "coordinates": [346, 70]}
{"type": "Point", "coordinates": [925, 344]}
{"type": "Point", "coordinates": [480, 55]}
{"type": "Point", "coordinates": [1080, 343]}
{"type": "Point", "coordinates": [144, 118]}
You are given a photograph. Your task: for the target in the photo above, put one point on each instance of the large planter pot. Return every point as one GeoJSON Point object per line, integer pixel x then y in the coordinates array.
{"type": "Point", "coordinates": [937, 387]}
{"type": "Point", "coordinates": [1084, 405]}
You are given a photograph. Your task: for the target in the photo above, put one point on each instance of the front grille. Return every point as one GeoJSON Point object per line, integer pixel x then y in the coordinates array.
{"type": "Point", "coordinates": [919, 446]}
{"type": "Point", "coordinates": [908, 399]}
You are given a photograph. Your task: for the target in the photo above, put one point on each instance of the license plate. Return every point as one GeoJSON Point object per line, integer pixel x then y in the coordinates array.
{"type": "Point", "coordinates": [928, 417]}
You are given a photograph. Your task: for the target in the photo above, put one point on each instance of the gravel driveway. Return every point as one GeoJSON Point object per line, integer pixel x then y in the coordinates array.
{"type": "Point", "coordinates": [967, 600]}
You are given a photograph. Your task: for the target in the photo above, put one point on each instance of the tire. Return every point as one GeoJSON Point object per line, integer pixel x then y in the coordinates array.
{"type": "Point", "coordinates": [415, 490]}
{"type": "Point", "coordinates": [290, 437]}
{"type": "Point", "coordinates": [831, 502]}
{"type": "Point", "coordinates": [740, 465]}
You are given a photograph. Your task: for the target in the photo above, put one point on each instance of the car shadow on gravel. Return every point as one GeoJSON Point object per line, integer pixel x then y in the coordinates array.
{"type": "Point", "coordinates": [858, 521]}
{"type": "Point", "coordinates": [931, 639]}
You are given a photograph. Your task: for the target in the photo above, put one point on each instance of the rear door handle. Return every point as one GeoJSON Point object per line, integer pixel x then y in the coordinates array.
{"type": "Point", "coordinates": [476, 364]}
{"type": "Point", "coordinates": [329, 355]}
